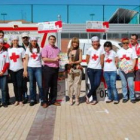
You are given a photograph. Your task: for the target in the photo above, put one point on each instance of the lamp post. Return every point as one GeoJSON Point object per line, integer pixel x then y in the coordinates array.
{"type": "Point", "coordinates": [4, 14]}
{"type": "Point", "coordinates": [92, 16]}
{"type": "Point", "coordinates": [58, 17]}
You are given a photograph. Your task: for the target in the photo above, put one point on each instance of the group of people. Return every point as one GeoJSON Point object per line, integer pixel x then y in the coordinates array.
{"type": "Point", "coordinates": [41, 66]}
{"type": "Point", "coordinates": [104, 62]}
{"type": "Point", "coordinates": [25, 61]}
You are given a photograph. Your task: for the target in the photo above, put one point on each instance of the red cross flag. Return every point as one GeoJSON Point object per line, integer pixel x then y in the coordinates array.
{"type": "Point", "coordinates": [97, 26]}
{"type": "Point", "coordinates": [50, 27]}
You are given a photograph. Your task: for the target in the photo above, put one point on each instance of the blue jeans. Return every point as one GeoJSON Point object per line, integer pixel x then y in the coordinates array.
{"type": "Point", "coordinates": [127, 80]}
{"type": "Point", "coordinates": [35, 73]}
{"type": "Point", "coordinates": [110, 79]}
{"type": "Point", "coordinates": [3, 82]}
{"type": "Point", "coordinates": [94, 76]}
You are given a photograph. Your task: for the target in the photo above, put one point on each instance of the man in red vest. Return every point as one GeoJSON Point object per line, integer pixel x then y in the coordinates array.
{"type": "Point", "coordinates": [136, 46]}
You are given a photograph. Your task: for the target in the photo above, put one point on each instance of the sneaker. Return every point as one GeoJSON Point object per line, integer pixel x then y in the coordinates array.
{"type": "Point", "coordinates": [44, 105]}
{"type": "Point", "coordinates": [93, 102]}
{"type": "Point", "coordinates": [108, 101]}
{"type": "Point", "coordinates": [125, 100]}
{"type": "Point", "coordinates": [16, 103]}
{"type": "Point", "coordinates": [116, 102]}
{"type": "Point", "coordinates": [32, 103]}
{"type": "Point", "coordinates": [133, 101]}
{"type": "Point", "coordinates": [57, 104]}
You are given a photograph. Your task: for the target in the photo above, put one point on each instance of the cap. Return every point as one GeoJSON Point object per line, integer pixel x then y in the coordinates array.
{"type": "Point", "coordinates": [95, 38]}
{"type": "Point", "coordinates": [124, 39]}
{"type": "Point", "coordinates": [14, 37]}
{"type": "Point", "coordinates": [33, 38]}
{"type": "Point", "coordinates": [24, 34]}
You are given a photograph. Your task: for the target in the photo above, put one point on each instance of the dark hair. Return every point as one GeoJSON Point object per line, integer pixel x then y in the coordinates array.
{"type": "Point", "coordinates": [51, 36]}
{"type": "Point", "coordinates": [31, 48]}
{"type": "Point", "coordinates": [108, 44]}
{"type": "Point", "coordinates": [135, 35]}
{"type": "Point", "coordinates": [2, 32]}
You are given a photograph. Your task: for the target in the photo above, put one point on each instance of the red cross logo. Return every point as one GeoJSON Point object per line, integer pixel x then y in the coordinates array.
{"type": "Point", "coordinates": [108, 60]}
{"type": "Point", "coordinates": [14, 57]}
{"type": "Point", "coordinates": [125, 57]}
{"type": "Point", "coordinates": [4, 56]}
{"type": "Point", "coordinates": [34, 55]}
{"type": "Point", "coordinates": [94, 57]}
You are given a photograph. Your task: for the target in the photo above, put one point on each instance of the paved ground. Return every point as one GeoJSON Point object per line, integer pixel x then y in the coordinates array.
{"type": "Point", "coordinates": [84, 122]}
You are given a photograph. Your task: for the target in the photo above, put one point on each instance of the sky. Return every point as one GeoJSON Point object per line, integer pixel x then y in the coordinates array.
{"type": "Point", "coordinates": [78, 11]}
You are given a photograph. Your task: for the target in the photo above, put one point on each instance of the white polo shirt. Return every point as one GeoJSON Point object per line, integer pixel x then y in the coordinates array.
{"type": "Point", "coordinates": [109, 61]}
{"type": "Point", "coordinates": [3, 59]}
{"type": "Point", "coordinates": [34, 58]}
{"type": "Point", "coordinates": [94, 60]}
{"type": "Point", "coordinates": [15, 56]}
{"type": "Point", "coordinates": [128, 55]}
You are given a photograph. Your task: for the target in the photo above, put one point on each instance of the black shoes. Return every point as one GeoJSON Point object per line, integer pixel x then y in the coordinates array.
{"type": "Point", "coordinates": [125, 100]}
{"type": "Point", "coordinates": [5, 105]}
{"type": "Point", "coordinates": [133, 101]}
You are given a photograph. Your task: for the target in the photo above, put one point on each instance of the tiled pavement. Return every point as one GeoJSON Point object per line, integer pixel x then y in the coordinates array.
{"type": "Point", "coordinates": [84, 122]}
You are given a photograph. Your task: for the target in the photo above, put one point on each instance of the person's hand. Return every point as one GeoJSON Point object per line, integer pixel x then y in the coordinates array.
{"type": "Point", "coordinates": [132, 70]}
{"type": "Point", "coordinates": [1, 73]}
{"type": "Point", "coordinates": [25, 74]}
{"type": "Point", "coordinates": [57, 58]}
{"type": "Point", "coordinates": [71, 63]}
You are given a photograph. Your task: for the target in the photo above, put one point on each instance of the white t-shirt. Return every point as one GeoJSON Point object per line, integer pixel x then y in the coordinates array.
{"type": "Point", "coordinates": [94, 60]}
{"type": "Point", "coordinates": [109, 61]}
{"type": "Point", "coordinates": [15, 56]}
{"type": "Point", "coordinates": [3, 59]}
{"type": "Point", "coordinates": [128, 54]}
{"type": "Point", "coordinates": [34, 58]}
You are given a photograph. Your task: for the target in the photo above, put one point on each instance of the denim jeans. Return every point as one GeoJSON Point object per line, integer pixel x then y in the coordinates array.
{"type": "Point", "coordinates": [110, 79]}
{"type": "Point", "coordinates": [3, 83]}
{"type": "Point", "coordinates": [35, 73]}
{"type": "Point", "coordinates": [94, 76]}
{"type": "Point", "coordinates": [50, 78]}
{"type": "Point", "coordinates": [127, 82]}
{"type": "Point", "coordinates": [17, 79]}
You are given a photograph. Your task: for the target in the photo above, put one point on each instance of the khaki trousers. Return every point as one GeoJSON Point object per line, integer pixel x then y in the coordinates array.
{"type": "Point", "coordinates": [74, 83]}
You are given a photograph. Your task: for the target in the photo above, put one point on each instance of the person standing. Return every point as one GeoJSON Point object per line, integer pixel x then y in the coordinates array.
{"type": "Point", "coordinates": [16, 56]}
{"type": "Point", "coordinates": [33, 61]}
{"type": "Point", "coordinates": [25, 45]}
{"type": "Point", "coordinates": [128, 56]}
{"type": "Point", "coordinates": [4, 65]}
{"type": "Point", "coordinates": [75, 72]}
{"type": "Point", "coordinates": [50, 57]}
{"type": "Point", "coordinates": [95, 60]}
{"type": "Point", "coordinates": [110, 72]}
{"type": "Point", "coordinates": [136, 47]}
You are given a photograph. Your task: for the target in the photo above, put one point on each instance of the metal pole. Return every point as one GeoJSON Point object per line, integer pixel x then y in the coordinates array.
{"type": "Point", "coordinates": [103, 13]}
{"type": "Point", "coordinates": [32, 15]}
{"type": "Point", "coordinates": [67, 13]}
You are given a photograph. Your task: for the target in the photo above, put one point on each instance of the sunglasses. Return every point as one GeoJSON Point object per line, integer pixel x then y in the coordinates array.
{"type": "Point", "coordinates": [125, 43]}
{"type": "Point", "coordinates": [25, 37]}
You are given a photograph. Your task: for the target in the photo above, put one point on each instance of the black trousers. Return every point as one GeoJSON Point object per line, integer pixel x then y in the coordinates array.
{"type": "Point", "coordinates": [17, 79]}
{"type": "Point", "coordinates": [50, 77]}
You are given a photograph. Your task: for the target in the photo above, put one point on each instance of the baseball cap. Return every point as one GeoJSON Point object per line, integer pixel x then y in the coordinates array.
{"type": "Point", "coordinates": [95, 38]}
{"type": "Point", "coordinates": [24, 34]}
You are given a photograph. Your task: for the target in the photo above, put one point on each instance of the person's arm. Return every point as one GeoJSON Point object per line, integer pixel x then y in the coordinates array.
{"type": "Point", "coordinates": [45, 59]}
{"type": "Point", "coordinates": [25, 73]}
{"type": "Point", "coordinates": [116, 61]}
{"type": "Point", "coordinates": [87, 58]}
{"type": "Point", "coordinates": [102, 60]}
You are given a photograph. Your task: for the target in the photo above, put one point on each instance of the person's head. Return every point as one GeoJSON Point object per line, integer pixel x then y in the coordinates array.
{"type": "Point", "coordinates": [134, 39]}
{"type": "Point", "coordinates": [74, 43]}
{"type": "Point", "coordinates": [95, 42]}
{"type": "Point", "coordinates": [107, 46]}
{"type": "Point", "coordinates": [34, 44]}
{"type": "Point", "coordinates": [25, 38]}
{"type": "Point", "coordinates": [1, 34]}
{"type": "Point", "coordinates": [1, 43]}
{"type": "Point", "coordinates": [125, 43]}
{"type": "Point", "coordinates": [52, 40]}
{"type": "Point", "coordinates": [14, 41]}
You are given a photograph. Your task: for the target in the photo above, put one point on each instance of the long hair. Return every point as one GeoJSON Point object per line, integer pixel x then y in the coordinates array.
{"type": "Point", "coordinates": [31, 48]}
{"type": "Point", "coordinates": [74, 40]}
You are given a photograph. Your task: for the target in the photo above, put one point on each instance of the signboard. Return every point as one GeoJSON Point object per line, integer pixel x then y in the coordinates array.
{"type": "Point", "coordinates": [97, 26]}
{"type": "Point", "coordinates": [47, 27]}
